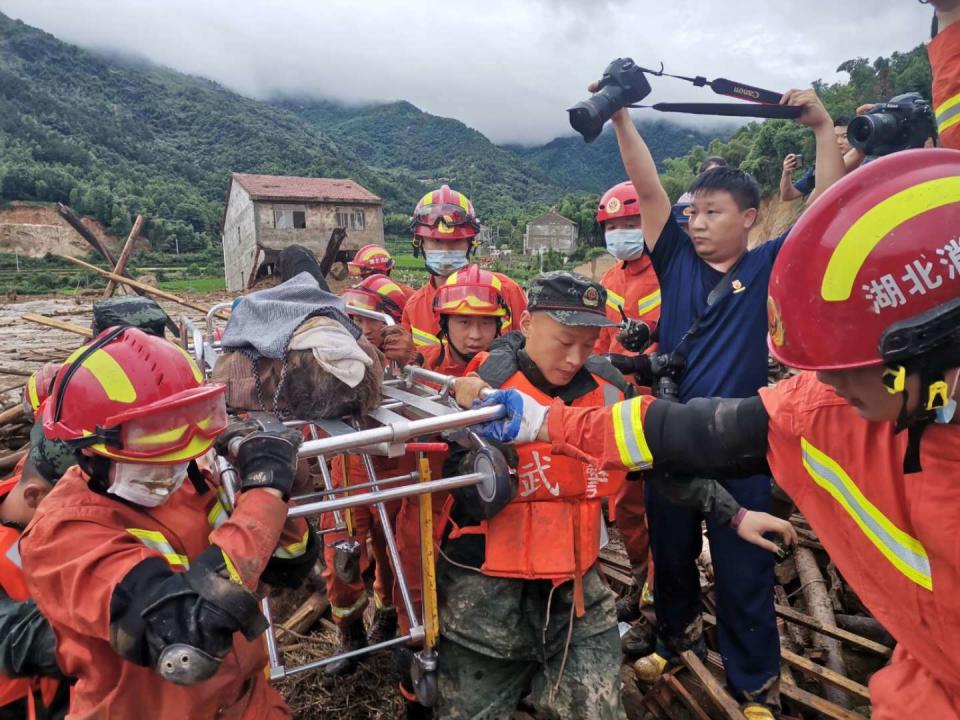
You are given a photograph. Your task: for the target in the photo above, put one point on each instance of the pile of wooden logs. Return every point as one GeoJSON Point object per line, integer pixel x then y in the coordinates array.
{"type": "Point", "coordinates": [829, 644]}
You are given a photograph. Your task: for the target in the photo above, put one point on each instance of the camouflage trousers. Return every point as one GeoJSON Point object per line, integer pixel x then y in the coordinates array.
{"type": "Point", "coordinates": [503, 638]}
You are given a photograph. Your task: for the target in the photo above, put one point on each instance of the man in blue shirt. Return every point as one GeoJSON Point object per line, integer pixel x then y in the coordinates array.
{"type": "Point", "coordinates": [726, 356]}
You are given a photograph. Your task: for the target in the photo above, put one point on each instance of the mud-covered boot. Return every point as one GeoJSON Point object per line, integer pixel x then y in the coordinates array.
{"type": "Point", "coordinates": [352, 637]}
{"type": "Point", "coordinates": [640, 640]}
{"type": "Point", "coordinates": [384, 626]}
{"type": "Point", "coordinates": [628, 606]}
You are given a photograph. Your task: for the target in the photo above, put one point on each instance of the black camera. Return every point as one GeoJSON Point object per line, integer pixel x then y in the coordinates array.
{"type": "Point", "coordinates": [904, 122]}
{"type": "Point", "coordinates": [666, 369]}
{"type": "Point", "coordinates": [623, 83]}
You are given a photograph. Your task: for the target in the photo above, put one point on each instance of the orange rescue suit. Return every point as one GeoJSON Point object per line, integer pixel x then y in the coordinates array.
{"type": "Point", "coordinates": [15, 587]}
{"type": "Point", "coordinates": [944, 52]}
{"type": "Point", "coordinates": [551, 530]}
{"type": "Point", "coordinates": [81, 544]}
{"type": "Point", "coordinates": [892, 535]}
{"type": "Point", "coordinates": [424, 324]}
{"type": "Point", "coordinates": [634, 287]}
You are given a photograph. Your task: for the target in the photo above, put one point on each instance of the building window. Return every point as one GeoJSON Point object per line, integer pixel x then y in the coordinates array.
{"type": "Point", "coordinates": [351, 218]}
{"type": "Point", "coordinates": [287, 217]}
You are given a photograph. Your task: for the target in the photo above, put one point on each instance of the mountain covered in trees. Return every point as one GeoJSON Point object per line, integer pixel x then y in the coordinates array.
{"type": "Point", "coordinates": [114, 138]}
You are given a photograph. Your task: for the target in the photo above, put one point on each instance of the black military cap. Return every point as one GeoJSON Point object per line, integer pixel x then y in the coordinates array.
{"type": "Point", "coordinates": [569, 298]}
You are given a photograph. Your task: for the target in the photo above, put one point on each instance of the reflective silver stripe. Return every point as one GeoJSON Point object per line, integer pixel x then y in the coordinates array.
{"type": "Point", "coordinates": [158, 543]}
{"type": "Point", "coordinates": [293, 550]}
{"type": "Point", "coordinates": [628, 434]}
{"type": "Point", "coordinates": [648, 303]}
{"type": "Point", "coordinates": [946, 115]}
{"type": "Point", "coordinates": [906, 553]}
{"type": "Point", "coordinates": [13, 555]}
{"type": "Point", "coordinates": [610, 394]}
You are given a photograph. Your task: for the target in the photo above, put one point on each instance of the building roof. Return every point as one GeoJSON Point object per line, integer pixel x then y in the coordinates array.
{"type": "Point", "coordinates": [551, 217]}
{"type": "Point", "coordinates": [304, 189]}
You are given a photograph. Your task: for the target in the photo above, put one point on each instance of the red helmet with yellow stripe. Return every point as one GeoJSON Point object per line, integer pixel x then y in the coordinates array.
{"type": "Point", "coordinates": [445, 215]}
{"type": "Point", "coordinates": [618, 202]}
{"type": "Point", "coordinates": [38, 387]}
{"type": "Point", "coordinates": [378, 293]}
{"type": "Point", "coordinates": [471, 291]}
{"type": "Point", "coordinates": [134, 397]}
{"type": "Point", "coordinates": [371, 260]}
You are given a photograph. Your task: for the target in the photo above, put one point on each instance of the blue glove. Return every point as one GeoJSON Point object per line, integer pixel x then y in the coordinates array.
{"type": "Point", "coordinates": [520, 424]}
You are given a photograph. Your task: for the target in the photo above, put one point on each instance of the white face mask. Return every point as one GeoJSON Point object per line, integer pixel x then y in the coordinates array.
{"type": "Point", "coordinates": [146, 485]}
{"type": "Point", "coordinates": [944, 415]}
{"type": "Point", "coordinates": [624, 243]}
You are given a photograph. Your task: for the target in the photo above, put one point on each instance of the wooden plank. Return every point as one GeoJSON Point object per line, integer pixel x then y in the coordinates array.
{"type": "Point", "coordinates": [14, 413]}
{"type": "Point", "coordinates": [788, 613]}
{"type": "Point", "coordinates": [125, 253]}
{"type": "Point", "coordinates": [826, 675]}
{"type": "Point", "coordinates": [685, 697]}
{"type": "Point", "coordinates": [721, 698]}
{"type": "Point", "coordinates": [818, 704]}
{"type": "Point", "coordinates": [58, 324]}
{"type": "Point", "coordinates": [15, 371]}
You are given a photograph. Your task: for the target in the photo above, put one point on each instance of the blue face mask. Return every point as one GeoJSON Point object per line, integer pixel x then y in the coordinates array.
{"type": "Point", "coordinates": [945, 414]}
{"type": "Point", "coordinates": [444, 262]}
{"type": "Point", "coordinates": [624, 243]}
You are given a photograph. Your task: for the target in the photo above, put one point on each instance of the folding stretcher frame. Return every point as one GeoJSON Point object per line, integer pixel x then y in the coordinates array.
{"type": "Point", "coordinates": [411, 410]}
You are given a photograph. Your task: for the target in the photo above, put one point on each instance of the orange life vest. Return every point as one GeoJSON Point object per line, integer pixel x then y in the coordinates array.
{"type": "Point", "coordinates": [551, 530]}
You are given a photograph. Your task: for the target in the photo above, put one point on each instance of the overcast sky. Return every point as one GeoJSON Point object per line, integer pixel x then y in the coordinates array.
{"type": "Point", "coordinates": [506, 67]}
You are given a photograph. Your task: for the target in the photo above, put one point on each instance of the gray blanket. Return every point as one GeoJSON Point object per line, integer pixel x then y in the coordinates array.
{"type": "Point", "coordinates": [263, 322]}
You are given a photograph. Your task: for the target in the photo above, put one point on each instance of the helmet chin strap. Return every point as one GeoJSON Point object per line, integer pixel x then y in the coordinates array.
{"type": "Point", "coordinates": [934, 394]}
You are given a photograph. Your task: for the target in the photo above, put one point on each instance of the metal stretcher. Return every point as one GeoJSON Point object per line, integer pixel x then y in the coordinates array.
{"type": "Point", "coordinates": [417, 407]}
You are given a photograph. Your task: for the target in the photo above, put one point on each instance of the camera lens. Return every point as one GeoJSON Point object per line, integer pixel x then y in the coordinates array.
{"type": "Point", "coordinates": [869, 131]}
{"type": "Point", "coordinates": [587, 117]}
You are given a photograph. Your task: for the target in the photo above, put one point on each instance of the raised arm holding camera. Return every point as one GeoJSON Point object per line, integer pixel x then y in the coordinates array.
{"type": "Point", "coordinates": [714, 318]}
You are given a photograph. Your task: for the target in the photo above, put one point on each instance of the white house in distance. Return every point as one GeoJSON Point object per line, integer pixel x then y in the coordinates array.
{"type": "Point", "coordinates": [550, 231]}
{"type": "Point", "coordinates": [266, 213]}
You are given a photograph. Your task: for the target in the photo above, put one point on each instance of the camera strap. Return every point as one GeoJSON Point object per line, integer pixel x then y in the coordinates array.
{"type": "Point", "coordinates": [721, 290]}
{"type": "Point", "coordinates": [766, 103]}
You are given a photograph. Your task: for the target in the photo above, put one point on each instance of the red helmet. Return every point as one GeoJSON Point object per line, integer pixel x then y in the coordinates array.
{"type": "Point", "coordinates": [134, 397]}
{"type": "Point", "coordinates": [38, 388]}
{"type": "Point", "coordinates": [371, 260]}
{"type": "Point", "coordinates": [870, 274]}
{"type": "Point", "coordinates": [618, 202]}
{"type": "Point", "coordinates": [444, 215]}
{"type": "Point", "coordinates": [471, 291]}
{"type": "Point", "coordinates": [378, 293]}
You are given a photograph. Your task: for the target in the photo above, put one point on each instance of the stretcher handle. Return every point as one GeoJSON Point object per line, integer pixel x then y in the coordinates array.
{"type": "Point", "coordinates": [426, 447]}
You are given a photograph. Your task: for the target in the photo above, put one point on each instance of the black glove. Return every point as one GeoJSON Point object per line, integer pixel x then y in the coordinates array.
{"type": "Point", "coordinates": [236, 429]}
{"type": "Point", "coordinates": [268, 460]}
{"type": "Point", "coordinates": [636, 365]}
{"type": "Point", "coordinates": [635, 335]}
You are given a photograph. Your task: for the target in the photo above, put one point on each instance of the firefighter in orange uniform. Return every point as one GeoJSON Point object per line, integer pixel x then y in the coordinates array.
{"type": "Point", "coordinates": [31, 685]}
{"type": "Point", "coordinates": [521, 602]}
{"type": "Point", "coordinates": [375, 260]}
{"type": "Point", "coordinates": [445, 230]}
{"type": "Point", "coordinates": [865, 296]}
{"type": "Point", "coordinates": [944, 52]}
{"type": "Point", "coordinates": [345, 551]}
{"type": "Point", "coordinates": [147, 582]}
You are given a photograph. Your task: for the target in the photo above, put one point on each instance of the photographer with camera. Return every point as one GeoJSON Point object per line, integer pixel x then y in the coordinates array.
{"type": "Point", "coordinates": [944, 52]}
{"type": "Point", "coordinates": [714, 317]}
{"type": "Point", "coordinates": [805, 184]}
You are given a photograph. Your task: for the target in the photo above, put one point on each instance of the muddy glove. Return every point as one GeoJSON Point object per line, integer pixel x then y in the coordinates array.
{"type": "Point", "coordinates": [268, 460]}
{"type": "Point", "coordinates": [522, 421]}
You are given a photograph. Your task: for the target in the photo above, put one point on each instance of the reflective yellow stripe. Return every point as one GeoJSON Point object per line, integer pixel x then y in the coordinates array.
{"type": "Point", "coordinates": [422, 337]}
{"type": "Point", "coordinates": [628, 434]}
{"type": "Point", "coordinates": [217, 515]}
{"type": "Point", "coordinates": [904, 552]}
{"type": "Point", "coordinates": [648, 303]}
{"type": "Point", "coordinates": [342, 612]}
{"type": "Point", "coordinates": [231, 568]}
{"type": "Point", "coordinates": [293, 550]}
{"type": "Point", "coordinates": [614, 301]}
{"type": "Point", "coordinates": [157, 542]}
{"type": "Point", "coordinates": [947, 104]}
{"type": "Point", "coordinates": [866, 233]}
